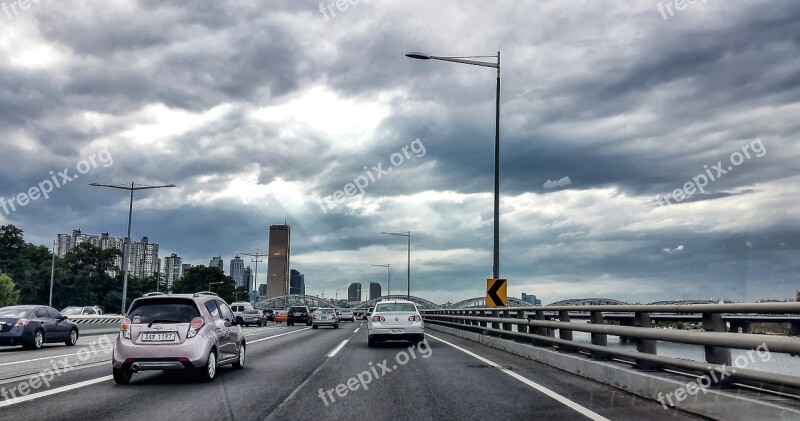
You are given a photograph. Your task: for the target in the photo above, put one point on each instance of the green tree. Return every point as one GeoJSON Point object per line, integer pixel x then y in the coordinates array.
{"type": "Point", "coordinates": [198, 278]}
{"type": "Point", "coordinates": [9, 295]}
{"type": "Point", "coordinates": [87, 279]}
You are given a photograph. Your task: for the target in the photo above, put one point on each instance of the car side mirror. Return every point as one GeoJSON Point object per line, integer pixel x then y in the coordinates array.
{"type": "Point", "coordinates": [64, 317]}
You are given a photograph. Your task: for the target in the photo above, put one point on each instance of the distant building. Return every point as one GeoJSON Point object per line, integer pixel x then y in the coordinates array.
{"type": "Point", "coordinates": [185, 268]}
{"type": "Point", "coordinates": [247, 278]}
{"type": "Point", "coordinates": [278, 260]}
{"type": "Point", "coordinates": [262, 290]}
{"type": "Point", "coordinates": [144, 260]}
{"type": "Point", "coordinates": [237, 271]}
{"type": "Point", "coordinates": [374, 290]}
{"type": "Point", "coordinates": [217, 262]}
{"type": "Point", "coordinates": [173, 267]}
{"type": "Point", "coordinates": [531, 299]}
{"type": "Point", "coordinates": [354, 292]}
{"type": "Point", "coordinates": [297, 282]}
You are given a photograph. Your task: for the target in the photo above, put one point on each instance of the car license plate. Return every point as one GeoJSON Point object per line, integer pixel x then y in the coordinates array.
{"type": "Point", "coordinates": [324, 317]}
{"type": "Point", "coordinates": [396, 330]}
{"type": "Point", "coordinates": [158, 337]}
{"type": "Point", "coordinates": [298, 314]}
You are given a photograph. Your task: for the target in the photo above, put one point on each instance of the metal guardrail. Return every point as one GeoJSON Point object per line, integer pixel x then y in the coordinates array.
{"type": "Point", "coordinates": [96, 319]}
{"type": "Point", "coordinates": [539, 326]}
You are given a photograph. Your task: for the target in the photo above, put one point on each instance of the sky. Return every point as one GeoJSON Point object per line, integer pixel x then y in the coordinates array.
{"type": "Point", "coordinates": [649, 150]}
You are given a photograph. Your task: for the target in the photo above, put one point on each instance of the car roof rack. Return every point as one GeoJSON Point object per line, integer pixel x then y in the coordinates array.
{"type": "Point", "coordinates": [199, 293]}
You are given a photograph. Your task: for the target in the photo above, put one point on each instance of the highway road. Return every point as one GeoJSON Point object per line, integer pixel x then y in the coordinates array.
{"type": "Point", "coordinates": [298, 373]}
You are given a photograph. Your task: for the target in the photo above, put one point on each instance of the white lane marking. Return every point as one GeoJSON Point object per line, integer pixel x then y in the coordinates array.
{"type": "Point", "coordinates": [338, 348]}
{"type": "Point", "coordinates": [575, 406]}
{"type": "Point", "coordinates": [57, 390]}
{"type": "Point", "coordinates": [53, 356]}
{"type": "Point", "coordinates": [280, 334]}
{"type": "Point", "coordinates": [263, 331]}
{"type": "Point", "coordinates": [356, 331]}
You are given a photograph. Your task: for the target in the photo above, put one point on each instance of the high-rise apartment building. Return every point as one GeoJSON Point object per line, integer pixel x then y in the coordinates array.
{"type": "Point", "coordinates": [354, 292]}
{"type": "Point", "coordinates": [237, 271]}
{"type": "Point", "coordinates": [217, 262]}
{"type": "Point", "coordinates": [173, 269]}
{"type": "Point", "coordinates": [144, 259]}
{"type": "Point", "coordinates": [247, 278]}
{"type": "Point", "coordinates": [278, 260]}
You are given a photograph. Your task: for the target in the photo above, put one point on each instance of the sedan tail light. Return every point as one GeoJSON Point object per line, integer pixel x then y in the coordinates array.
{"type": "Point", "coordinates": [378, 319]}
{"type": "Point", "coordinates": [125, 328]}
{"type": "Point", "coordinates": [195, 326]}
{"type": "Point", "coordinates": [415, 318]}
{"type": "Point", "coordinates": [22, 322]}
{"type": "Point", "coordinates": [305, 313]}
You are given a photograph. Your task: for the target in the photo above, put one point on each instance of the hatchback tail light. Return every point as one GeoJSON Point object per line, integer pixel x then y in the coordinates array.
{"type": "Point", "coordinates": [305, 313]}
{"type": "Point", "coordinates": [415, 318]}
{"type": "Point", "coordinates": [195, 326]}
{"type": "Point", "coordinates": [22, 322]}
{"type": "Point", "coordinates": [125, 328]}
{"type": "Point", "coordinates": [378, 319]}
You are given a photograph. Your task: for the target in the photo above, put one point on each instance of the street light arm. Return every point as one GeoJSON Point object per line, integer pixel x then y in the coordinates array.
{"type": "Point", "coordinates": [464, 61]}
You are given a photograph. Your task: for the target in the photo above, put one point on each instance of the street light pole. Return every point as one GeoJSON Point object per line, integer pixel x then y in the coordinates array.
{"type": "Point", "coordinates": [388, 278]}
{"type": "Point", "coordinates": [256, 257]}
{"type": "Point", "coordinates": [465, 60]}
{"type": "Point", "coordinates": [127, 251]}
{"type": "Point", "coordinates": [52, 273]}
{"type": "Point", "coordinates": [408, 269]}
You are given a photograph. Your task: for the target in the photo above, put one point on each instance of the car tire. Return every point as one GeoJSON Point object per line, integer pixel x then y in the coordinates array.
{"type": "Point", "coordinates": [336, 326]}
{"type": "Point", "coordinates": [289, 324]}
{"type": "Point", "coordinates": [239, 364]}
{"type": "Point", "coordinates": [122, 376]}
{"type": "Point", "coordinates": [314, 327]}
{"type": "Point", "coordinates": [208, 372]}
{"type": "Point", "coordinates": [37, 341]}
{"type": "Point", "coordinates": [371, 342]}
{"type": "Point", "coordinates": [308, 323]}
{"type": "Point", "coordinates": [73, 337]}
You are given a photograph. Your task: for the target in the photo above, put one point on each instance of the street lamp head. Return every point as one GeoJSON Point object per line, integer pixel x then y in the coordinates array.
{"type": "Point", "coordinates": [418, 56]}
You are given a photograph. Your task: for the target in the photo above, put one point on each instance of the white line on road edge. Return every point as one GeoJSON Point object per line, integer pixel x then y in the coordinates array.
{"type": "Point", "coordinates": [338, 348]}
{"type": "Point", "coordinates": [21, 399]}
{"type": "Point", "coordinates": [280, 334]}
{"type": "Point", "coordinates": [575, 406]}
{"type": "Point", "coordinates": [53, 356]}
{"type": "Point", "coordinates": [270, 329]}
{"type": "Point", "coordinates": [356, 331]}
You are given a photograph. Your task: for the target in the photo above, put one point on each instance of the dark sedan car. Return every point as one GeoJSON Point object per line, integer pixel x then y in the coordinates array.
{"type": "Point", "coordinates": [32, 326]}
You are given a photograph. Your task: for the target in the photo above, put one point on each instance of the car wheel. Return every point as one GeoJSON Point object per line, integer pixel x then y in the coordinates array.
{"type": "Point", "coordinates": [289, 324]}
{"type": "Point", "coordinates": [73, 337]}
{"type": "Point", "coordinates": [239, 364]}
{"type": "Point", "coordinates": [370, 342]}
{"type": "Point", "coordinates": [122, 376]}
{"type": "Point", "coordinates": [308, 323]}
{"type": "Point", "coordinates": [209, 371]}
{"type": "Point", "coordinates": [336, 326]}
{"type": "Point", "coordinates": [37, 342]}
{"type": "Point", "coordinates": [314, 327]}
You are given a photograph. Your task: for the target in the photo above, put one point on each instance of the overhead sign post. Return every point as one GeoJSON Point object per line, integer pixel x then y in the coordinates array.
{"type": "Point", "coordinates": [496, 292]}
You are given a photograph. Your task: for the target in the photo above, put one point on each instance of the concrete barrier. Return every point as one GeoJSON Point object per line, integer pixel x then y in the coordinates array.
{"type": "Point", "coordinates": [97, 324]}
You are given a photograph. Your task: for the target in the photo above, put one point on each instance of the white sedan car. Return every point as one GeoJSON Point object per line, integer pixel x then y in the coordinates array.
{"type": "Point", "coordinates": [395, 320]}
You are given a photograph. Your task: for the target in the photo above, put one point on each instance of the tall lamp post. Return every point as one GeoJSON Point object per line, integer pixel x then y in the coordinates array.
{"type": "Point", "coordinates": [466, 60]}
{"type": "Point", "coordinates": [52, 273]}
{"type": "Point", "coordinates": [388, 278]}
{"type": "Point", "coordinates": [256, 258]}
{"type": "Point", "coordinates": [408, 270]}
{"type": "Point", "coordinates": [126, 253]}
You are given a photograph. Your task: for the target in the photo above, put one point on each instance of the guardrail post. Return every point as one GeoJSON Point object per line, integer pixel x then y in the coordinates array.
{"type": "Point", "coordinates": [601, 339]}
{"type": "Point", "coordinates": [645, 345]}
{"type": "Point", "coordinates": [495, 325]}
{"type": "Point", "coordinates": [565, 334]}
{"type": "Point", "coordinates": [538, 330]}
{"type": "Point", "coordinates": [507, 315]}
{"type": "Point", "coordinates": [713, 322]}
{"type": "Point", "coordinates": [521, 316]}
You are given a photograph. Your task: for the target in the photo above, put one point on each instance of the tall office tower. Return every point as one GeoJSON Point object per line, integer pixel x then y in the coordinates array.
{"type": "Point", "coordinates": [374, 290]}
{"type": "Point", "coordinates": [237, 271]}
{"type": "Point", "coordinates": [247, 279]}
{"type": "Point", "coordinates": [297, 282]}
{"type": "Point", "coordinates": [217, 262]}
{"type": "Point", "coordinates": [262, 290]}
{"type": "Point", "coordinates": [278, 261]}
{"type": "Point", "coordinates": [354, 292]}
{"type": "Point", "coordinates": [172, 269]}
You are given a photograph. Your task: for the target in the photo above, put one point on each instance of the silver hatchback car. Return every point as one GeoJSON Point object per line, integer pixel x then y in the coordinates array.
{"type": "Point", "coordinates": [192, 332]}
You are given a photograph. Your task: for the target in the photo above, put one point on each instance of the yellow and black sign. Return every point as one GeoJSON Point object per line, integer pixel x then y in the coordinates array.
{"type": "Point", "coordinates": [496, 292]}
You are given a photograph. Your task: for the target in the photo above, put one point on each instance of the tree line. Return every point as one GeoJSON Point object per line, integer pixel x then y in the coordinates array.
{"type": "Point", "coordinates": [87, 276]}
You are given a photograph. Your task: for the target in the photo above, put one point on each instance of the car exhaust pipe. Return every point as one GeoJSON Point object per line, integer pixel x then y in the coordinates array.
{"type": "Point", "coordinates": [135, 367]}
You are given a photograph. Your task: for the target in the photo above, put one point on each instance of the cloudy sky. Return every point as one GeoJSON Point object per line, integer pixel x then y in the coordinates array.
{"type": "Point", "coordinates": [263, 110]}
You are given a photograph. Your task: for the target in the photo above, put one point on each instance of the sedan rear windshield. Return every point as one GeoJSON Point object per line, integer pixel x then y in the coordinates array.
{"type": "Point", "coordinates": [163, 311]}
{"type": "Point", "coordinates": [14, 312]}
{"type": "Point", "coordinates": [325, 311]}
{"type": "Point", "coordinates": [389, 307]}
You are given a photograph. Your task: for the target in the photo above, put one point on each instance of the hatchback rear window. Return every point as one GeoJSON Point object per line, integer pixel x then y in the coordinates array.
{"type": "Point", "coordinates": [297, 309]}
{"type": "Point", "coordinates": [251, 311]}
{"type": "Point", "coordinates": [388, 307]}
{"type": "Point", "coordinates": [163, 311]}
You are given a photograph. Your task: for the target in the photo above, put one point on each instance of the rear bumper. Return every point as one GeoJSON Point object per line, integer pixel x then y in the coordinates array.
{"type": "Point", "coordinates": [297, 319]}
{"type": "Point", "coordinates": [13, 337]}
{"type": "Point", "coordinates": [146, 364]}
{"type": "Point", "coordinates": [410, 333]}
{"type": "Point", "coordinates": [160, 357]}
{"type": "Point", "coordinates": [324, 322]}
